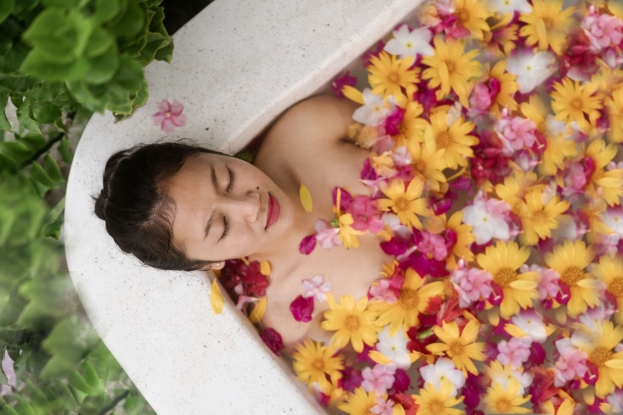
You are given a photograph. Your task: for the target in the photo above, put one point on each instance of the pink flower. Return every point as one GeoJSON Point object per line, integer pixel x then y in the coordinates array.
{"type": "Point", "coordinates": [383, 291]}
{"type": "Point", "coordinates": [365, 214]}
{"type": "Point", "coordinates": [548, 284]}
{"type": "Point", "coordinates": [316, 287]}
{"type": "Point", "coordinates": [471, 284]}
{"type": "Point", "coordinates": [379, 379]}
{"type": "Point", "coordinates": [339, 83]}
{"type": "Point", "coordinates": [602, 29]}
{"type": "Point", "coordinates": [383, 407]}
{"type": "Point", "coordinates": [514, 352]}
{"type": "Point", "coordinates": [515, 133]}
{"type": "Point", "coordinates": [326, 235]}
{"type": "Point", "coordinates": [480, 99]}
{"type": "Point", "coordinates": [434, 245]}
{"type": "Point", "coordinates": [576, 176]}
{"type": "Point", "coordinates": [169, 116]}
{"type": "Point", "coordinates": [302, 309]}
{"type": "Point", "coordinates": [571, 363]}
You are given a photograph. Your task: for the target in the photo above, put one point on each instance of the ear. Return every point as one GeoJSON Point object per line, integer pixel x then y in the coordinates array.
{"type": "Point", "coordinates": [217, 265]}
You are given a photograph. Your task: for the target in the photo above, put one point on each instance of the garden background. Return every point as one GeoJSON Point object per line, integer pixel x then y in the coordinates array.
{"type": "Point", "coordinates": [61, 61]}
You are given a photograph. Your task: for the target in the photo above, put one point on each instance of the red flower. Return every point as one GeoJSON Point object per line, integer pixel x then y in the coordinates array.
{"type": "Point", "coordinates": [302, 308]}
{"type": "Point", "coordinates": [342, 81]}
{"type": "Point", "coordinates": [407, 402]}
{"type": "Point", "coordinates": [273, 340]}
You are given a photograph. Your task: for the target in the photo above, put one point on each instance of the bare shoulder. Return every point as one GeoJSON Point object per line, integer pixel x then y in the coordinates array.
{"type": "Point", "coordinates": [320, 118]}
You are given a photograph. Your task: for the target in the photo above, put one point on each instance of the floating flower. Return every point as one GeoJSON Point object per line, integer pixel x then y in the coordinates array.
{"type": "Point", "coordinates": [506, 401]}
{"type": "Point", "coordinates": [410, 42]}
{"type": "Point", "coordinates": [326, 235]}
{"type": "Point", "coordinates": [506, 86]}
{"type": "Point", "coordinates": [575, 102]}
{"type": "Point", "coordinates": [313, 362]}
{"type": "Point", "coordinates": [383, 407]}
{"type": "Point", "coordinates": [451, 69]}
{"type": "Point", "coordinates": [413, 300]}
{"type": "Point", "coordinates": [472, 284]}
{"type": "Point", "coordinates": [603, 30]}
{"type": "Point", "coordinates": [347, 235]}
{"type": "Point", "coordinates": [532, 69]}
{"type": "Point", "coordinates": [464, 238]}
{"type": "Point", "coordinates": [365, 215]}
{"type": "Point", "coordinates": [610, 272]}
{"type": "Point", "coordinates": [609, 183]}
{"type": "Point", "coordinates": [515, 133]}
{"type": "Point", "coordinates": [472, 15]}
{"type": "Point", "coordinates": [547, 25]}
{"type": "Point", "coordinates": [359, 403]}
{"type": "Point", "coordinates": [388, 74]}
{"type": "Point", "coordinates": [373, 109]}
{"type": "Point", "coordinates": [438, 402]}
{"type": "Point", "coordinates": [316, 287]}
{"type": "Point", "coordinates": [352, 322]}
{"type": "Point", "coordinates": [614, 105]}
{"type": "Point", "coordinates": [540, 218]}
{"type": "Point", "coordinates": [531, 323]}
{"type": "Point", "coordinates": [510, 6]}
{"type": "Point", "coordinates": [169, 116]}
{"type": "Point", "coordinates": [488, 218]}
{"type": "Point", "coordinates": [427, 162]}
{"type": "Point", "coordinates": [412, 126]}
{"type": "Point", "coordinates": [514, 352]}
{"type": "Point", "coordinates": [503, 374]}
{"type": "Point", "coordinates": [571, 364]}
{"type": "Point", "coordinates": [502, 262]}
{"type": "Point", "coordinates": [443, 370]}
{"type": "Point", "coordinates": [394, 348]}
{"type": "Point", "coordinates": [461, 349]}
{"type": "Point", "coordinates": [406, 204]}
{"type": "Point", "coordinates": [454, 138]}
{"type": "Point", "coordinates": [570, 261]}
{"type": "Point", "coordinates": [379, 379]}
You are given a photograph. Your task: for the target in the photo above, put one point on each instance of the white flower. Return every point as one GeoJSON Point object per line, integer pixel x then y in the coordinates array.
{"type": "Point", "coordinates": [616, 400]}
{"type": "Point", "coordinates": [531, 69]}
{"type": "Point", "coordinates": [401, 156]}
{"type": "Point", "coordinates": [510, 6]}
{"type": "Point", "coordinates": [443, 369]}
{"type": "Point", "coordinates": [395, 348]}
{"type": "Point", "coordinates": [373, 109]}
{"type": "Point", "coordinates": [487, 218]}
{"type": "Point", "coordinates": [316, 287]}
{"type": "Point", "coordinates": [524, 379]}
{"type": "Point", "coordinates": [531, 324]}
{"type": "Point", "coordinates": [393, 221]}
{"type": "Point", "coordinates": [407, 43]}
{"type": "Point", "coordinates": [613, 217]}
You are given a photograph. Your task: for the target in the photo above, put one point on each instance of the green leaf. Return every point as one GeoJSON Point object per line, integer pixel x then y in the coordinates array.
{"type": "Point", "coordinates": [103, 67]}
{"type": "Point", "coordinates": [38, 173]}
{"type": "Point", "coordinates": [130, 74]}
{"type": "Point", "coordinates": [83, 94]}
{"type": "Point", "coordinates": [99, 42]}
{"type": "Point", "coordinates": [46, 91]}
{"type": "Point", "coordinates": [12, 61]}
{"type": "Point", "coordinates": [4, 121]}
{"type": "Point", "coordinates": [129, 23]}
{"type": "Point", "coordinates": [65, 348]}
{"type": "Point", "coordinates": [66, 154]}
{"type": "Point", "coordinates": [53, 229]}
{"type": "Point", "coordinates": [6, 7]}
{"type": "Point", "coordinates": [91, 377]}
{"type": "Point", "coordinates": [52, 35]}
{"type": "Point", "coordinates": [52, 169]}
{"type": "Point", "coordinates": [45, 112]}
{"type": "Point", "coordinates": [165, 54]}
{"type": "Point", "coordinates": [7, 410]}
{"type": "Point", "coordinates": [22, 6]}
{"type": "Point", "coordinates": [62, 3]}
{"type": "Point", "coordinates": [23, 407]}
{"type": "Point", "coordinates": [24, 116]}
{"type": "Point", "coordinates": [40, 66]}
{"type": "Point", "coordinates": [105, 10]}
{"type": "Point", "coordinates": [6, 43]}
{"type": "Point", "coordinates": [17, 84]}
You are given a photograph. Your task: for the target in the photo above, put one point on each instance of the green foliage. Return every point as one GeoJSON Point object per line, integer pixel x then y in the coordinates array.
{"type": "Point", "coordinates": [60, 60]}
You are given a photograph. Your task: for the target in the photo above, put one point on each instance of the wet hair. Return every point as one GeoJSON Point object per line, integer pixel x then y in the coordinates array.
{"type": "Point", "coordinates": [138, 212]}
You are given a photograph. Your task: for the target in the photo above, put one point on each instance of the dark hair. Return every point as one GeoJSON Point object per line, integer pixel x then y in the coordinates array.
{"type": "Point", "coordinates": [137, 211]}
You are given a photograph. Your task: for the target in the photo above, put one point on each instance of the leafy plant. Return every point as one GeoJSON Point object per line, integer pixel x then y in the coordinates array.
{"type": "Point", "coordinates": [60, 61]}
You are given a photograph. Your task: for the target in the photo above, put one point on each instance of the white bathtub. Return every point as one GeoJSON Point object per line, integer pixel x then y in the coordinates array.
{"type": "Point", "coordinates": [236, 67]}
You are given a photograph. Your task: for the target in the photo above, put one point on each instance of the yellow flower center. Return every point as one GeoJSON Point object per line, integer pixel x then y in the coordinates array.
{"type": "Point", "coordinates": [444, 139]}
{"type": "Point", "coordinates": [419, 166]}
{"type": "Point", "coordinates": [599, 356]}
{"type": "Point", "coordinates": [572, 275]}
{"type": "Point", "coordinates": [435, 406]}
{"type": "Point", "coordinates": [616, 287]}
{"type": "Point", "coordinates": [542, 127]}
{"type": "Point", "coordinates": [408, 299]}
{"type": "Point", "coordinates": [352, 323]}
{"type": "Point", "coordinates": [401, 204]}
{"type": "Point", "coordinates": [504, 277]}
{"type": "Point", "coordinates": [393, 77]}
{"type": "Point", "coordinates": [548, 21]}
{"type": "Point", "coordinates": [520, 210]}
{"type": "Point", "coordinates": [576, 104]}
{"type": "Point", "coordinates": [462, 16]}
{"type": "Point", "coordinates": [539, 217]}
{"type": "Point", "coordinates": [451, 65]}
{"type": "Point", "coordinates": [318, 365]}
{"type": "Point", "coordinates": [456, 349]}
{"type": "Point", "coordinates": [503, 405]}
{"type": "Point", "coordinates": [590, 212]}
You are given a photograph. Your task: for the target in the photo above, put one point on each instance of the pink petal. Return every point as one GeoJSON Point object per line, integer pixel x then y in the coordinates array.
{"type": "Point", "coordinates": [176, 108]}
{"type": "Point", "coordinates": [167, 125]}
{"type": "Point", "coordinates": [302, 308]}
{"type": "Point", "coordinates": [179, 120]}
{"type": "Point", "coordinates": [164, 106]}
{"type": "Point", "coordinates": [307, 245]}
{"type": "Point", "coordinates": [158, 118]}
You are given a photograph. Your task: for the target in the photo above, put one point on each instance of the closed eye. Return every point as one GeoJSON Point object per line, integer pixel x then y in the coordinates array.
{"type": "Point", "coordinates": [225, 229]}
{"type": "Point", "coordinates": [232, 178]}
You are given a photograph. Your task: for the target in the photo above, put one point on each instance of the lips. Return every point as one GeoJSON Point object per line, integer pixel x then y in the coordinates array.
{"type": "Point", "coordinates": [273, 210]}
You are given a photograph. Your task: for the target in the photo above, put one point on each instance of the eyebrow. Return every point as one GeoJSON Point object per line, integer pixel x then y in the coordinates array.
{"type": "Point", "coordinates": [215, 184]}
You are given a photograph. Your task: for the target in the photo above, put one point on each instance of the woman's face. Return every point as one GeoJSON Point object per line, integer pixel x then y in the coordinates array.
{"type": "Point", "coordinates": [226, 208]}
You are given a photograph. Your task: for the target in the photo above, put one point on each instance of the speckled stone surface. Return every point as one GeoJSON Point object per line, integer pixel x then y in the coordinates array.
{"type": "Point", "coordinates": [236, 67]}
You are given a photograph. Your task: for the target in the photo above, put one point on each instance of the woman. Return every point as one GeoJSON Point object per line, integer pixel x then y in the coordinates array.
{"type": "Point", "coordinates": [182, 207]}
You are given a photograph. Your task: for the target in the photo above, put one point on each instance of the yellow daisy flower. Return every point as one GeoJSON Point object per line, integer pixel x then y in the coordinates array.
{"type": "Point", "coordinates": [360, 402]}
{"type": "Point", "coordinates": [438, 402]}
{"type": "Point", "coordinates": [614, 104]}
{"type": "Point", "coordinates": [502, 35]}
{"type": "Point", "coordinates": [541, 219]}
{"type": "Point", "coordinates": [502, 262]}
{"type": "Point", "coordinates": [610, 271]}
{"type": "Point", "coordinates": [348, 235]}
{"type": "Point", "coordinates": [313, 362]}
{"type": "Point", "coordinates": [472, 15]}
{"type": "Point", "coordinates": [412, 126]}
{"type": "Point", "coordinates": [461, 349]}
{"type": "Point", "coordinates": [352, 322]}
{"type": "Point", "coordinates": [464, 238]}
{"type": "Point", "coordinates": [513, 189]}
{"type": "Point", "coordinates": [406, 204]}
{"type": "Point", "coordinates": [427, 163]}
{"type": "Point", "coordinates": [598, 346]}
{"type": "Point", "coordinates": [388, 74]}
{"type": "Point", "coordinates": [506, 401]}
{"type": "Point", "coordinates": [508, 87]}
{"type": "Point", "coordinates": [571, 101]}
{"type": "Point", "coordinates": [608, 183]}
{"type": "Point", "coordinates": [547, 25]}
{"type": "Point", "coordinates": [593, 210]}
{"type": "Point", "coordinates": [570, 260]}
{"type": "Point", "coordinates": [413, 300]}
{"type": "Point", "coordinates": [451, 68]}
{"type": "Point", "coordinates": [455, 139]}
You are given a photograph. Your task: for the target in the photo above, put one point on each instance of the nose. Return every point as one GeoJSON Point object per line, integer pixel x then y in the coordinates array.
{"type": "Point", "coordinates": [246, 205]}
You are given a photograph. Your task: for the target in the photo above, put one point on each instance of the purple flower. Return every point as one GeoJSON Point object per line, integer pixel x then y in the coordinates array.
{"type": "Point", "coordinates": [169, 116]}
